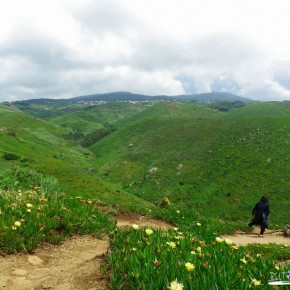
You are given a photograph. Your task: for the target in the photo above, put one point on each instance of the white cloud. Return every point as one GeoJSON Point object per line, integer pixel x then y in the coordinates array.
{"type": "Point", "coordinates": [65, 48]}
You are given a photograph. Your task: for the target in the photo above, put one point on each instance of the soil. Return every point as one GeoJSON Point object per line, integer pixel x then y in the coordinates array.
{"type": "Point", "coordinates": [242, 238]}
{"type": "Point", "coordinates": [76, 263]}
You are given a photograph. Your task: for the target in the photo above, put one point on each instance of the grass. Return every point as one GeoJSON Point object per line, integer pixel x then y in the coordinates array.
{"type": "Point", "coordinates": [34, 209]}
{"type": "Point", "coordinates": [219, 163]}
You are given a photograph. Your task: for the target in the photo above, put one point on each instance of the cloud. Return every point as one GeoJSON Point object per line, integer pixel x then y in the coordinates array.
{"type": "Point", "coordinates": [61, 49]}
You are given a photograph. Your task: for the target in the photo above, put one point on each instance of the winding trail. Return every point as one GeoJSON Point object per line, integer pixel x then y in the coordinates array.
{"type": "Point", "coordinates": [270, 237]}
{"type": "Point", "coordinates": [75, 264]}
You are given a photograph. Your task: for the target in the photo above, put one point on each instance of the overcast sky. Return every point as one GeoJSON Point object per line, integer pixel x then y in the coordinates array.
{"type": "Point", "coordinates": [68, 48]}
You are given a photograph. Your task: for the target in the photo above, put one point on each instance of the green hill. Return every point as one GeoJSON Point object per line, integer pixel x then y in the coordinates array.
{"type": "Point", "coordinates": [220, 163]}
{"type": "Point", "coordinates": [40, 145]}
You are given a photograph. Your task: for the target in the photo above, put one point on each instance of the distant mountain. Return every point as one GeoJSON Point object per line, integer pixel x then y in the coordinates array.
{"type": "Point", "coordinates": [206, 98]}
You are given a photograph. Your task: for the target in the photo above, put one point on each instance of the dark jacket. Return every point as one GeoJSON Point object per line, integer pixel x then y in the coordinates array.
{"type": "Point", "coordinates": [261, 211]}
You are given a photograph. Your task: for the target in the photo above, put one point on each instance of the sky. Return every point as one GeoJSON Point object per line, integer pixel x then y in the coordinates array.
{"type": "Point", "coordinates": [68, 48]}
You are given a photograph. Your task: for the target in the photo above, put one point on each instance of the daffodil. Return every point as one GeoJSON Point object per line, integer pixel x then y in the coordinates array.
{"type": "Point", "coordinates": [149, 232]}
{"type": "Point", "coordinates": [174, 285]}
{"type": "Point", "coordinates": [228, 242]}
{"type": "Point", "coordinates": [219, 240]}
{"type": "Point", "coordinates": [135, 227]}
{"type": "Point", "coordinates": [171, 244]}
{"type": "Point", "coordinates": [17, 224]}
{"type": "Point", "coordinates": [189, 266]}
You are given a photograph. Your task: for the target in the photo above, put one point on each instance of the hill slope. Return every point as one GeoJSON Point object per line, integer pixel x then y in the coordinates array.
{"type": "Point", "coordinates": [38, 144]}
{"type": "Point", "coordinates": [218, 162]}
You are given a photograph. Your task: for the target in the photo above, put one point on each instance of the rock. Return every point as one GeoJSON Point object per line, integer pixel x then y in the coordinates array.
{"type": "Point", "coordinates": [34, 260]}
{"type": "Point", "coordinates": [153, 170]}
{"type": "Point", "coordinates": [20, 272]}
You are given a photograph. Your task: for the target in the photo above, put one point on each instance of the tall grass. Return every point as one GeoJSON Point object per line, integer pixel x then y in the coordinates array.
{"type": "Point", "coordinates": [43, 212]}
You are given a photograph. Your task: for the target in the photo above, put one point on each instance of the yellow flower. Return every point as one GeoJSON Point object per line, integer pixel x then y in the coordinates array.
{"type": "Point", "coordinates": [149, 232]}
{"type": "Point", "coordinates": [14, 228]}
{"type": "Point", "coordinates": [235, 247]}
{"type": "Point", "coordinates": [174, 285]}
{"type": "Point", "coordinates": [178, 211]}
{"type": "Point", "coordinates": [135, 227]}
{"type": "Point", "coordinates": [17, 224]}
{"type": "Point", "coordinates": [219, 240]}
{"type": "Point", "coordinates": [198, 249]}
{"type": "Point", "coordinates": [258, 255]}
{"type": "Point", "coordinates": [228, 242]}
{"type": "Point", "coordinates": [171, 244]}
{"type": "Point", "coordinates": [189, 266]}
{"type": "Point", "coordinates": [243, 260]}
{"type": "Point", "coordinates": [29, 205]}
{"type": "Point", "coordinates": [134, 249]}
{"type": "Point", "coordinates": [192, 253]}
{"type": "Point", "coordinates": [28, 210]}
{"type": "Point", "coordinates": [277, 267]}
{"type": "Point", "coordinates": [198, 224]}
{"type": "Point", "coordinates": [256, 282]}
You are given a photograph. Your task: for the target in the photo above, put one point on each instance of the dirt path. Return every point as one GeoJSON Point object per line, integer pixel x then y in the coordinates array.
{"type": "Point", "coordinates": [241, 238]}
{"type": "Point", "coordinates": [73, 265]}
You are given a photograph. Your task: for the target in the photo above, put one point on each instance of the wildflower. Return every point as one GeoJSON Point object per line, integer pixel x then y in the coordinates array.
{"type": "Point", "coordinates": [192, 252]}
{"type": "Point", "coordinates": [219, 240]}
{"type": "Point", "coordinates": [174, 285]}
{"type": "Point", "coordinates": [198, 249]}
{"type": "Point", "coordinates": [149, 232]}
{"type": "Point", "coordinates": [135, 227]}
{"type": "Point", "coordinates": [178, 211]}
{"type": "Point", "coordinates": [175, 229]}
{"type": "Point", "coordinates": [258, 255]}
{"type": "Point", "coordinates": [156, 263]}
{"type": "Point", "coordinates": [256, 282]}
{"type": "Point", "coordinates": [243, 260]}
{"type": "Point", "coordinates": [14, 228]}
{"type": "Point", "coordinates": [189, 266]}
{"type": "Point", "coordinates": [235, 247]}
{"type": "Point", "coordinates": [29, 205]}
{"type": "Point", "coordinates": [28, 210]}
{"type": "Point", "coordinates": [1, 212]}
{"type": "Point", "coordinates": [198, 224]}
{"type": "Point", "coordinates": [228, 242]}
{"type": "Point", "coordinates": [134, 249]}
{"type": "Point", "coordinates": [277, 267]}
{"type": "Point", "coordinates": [17, 224]}
{"type": "Point", "coordinates": [171, 244]}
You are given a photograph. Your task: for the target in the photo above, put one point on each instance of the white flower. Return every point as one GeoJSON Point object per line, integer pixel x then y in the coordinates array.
{"type": "Point", "coordinates": [174, 285]}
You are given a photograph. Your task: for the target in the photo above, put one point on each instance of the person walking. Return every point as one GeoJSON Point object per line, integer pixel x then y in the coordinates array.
{"type": "Point", "coordinates": [261, 212]}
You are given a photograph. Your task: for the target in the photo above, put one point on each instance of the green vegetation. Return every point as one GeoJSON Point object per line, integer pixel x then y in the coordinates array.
{"type": "Point", "coordinates": [43, 213]}
{"type": "Point", "coordinates": [210, 164]}
{"type": "Point", "coordinates": [197, 259]}
{"type": "Point", "coordinates": [218, 162]}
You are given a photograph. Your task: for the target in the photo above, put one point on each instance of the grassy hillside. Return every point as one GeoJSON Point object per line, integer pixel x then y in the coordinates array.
{"type": "Point", "coordinates": [220, 163]}
{"type": "Point", "coordinates": [93, 117]}
{"type": "Point", "coordinates": [38, 144]}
